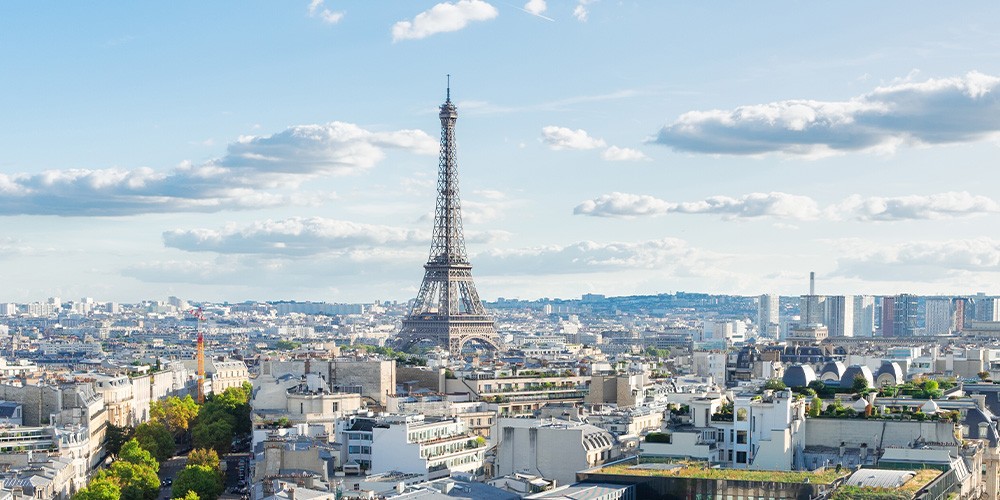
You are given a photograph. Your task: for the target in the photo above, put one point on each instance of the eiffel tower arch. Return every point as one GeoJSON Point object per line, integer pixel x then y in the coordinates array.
{"type": "Point", "coordinates": [447, 310]}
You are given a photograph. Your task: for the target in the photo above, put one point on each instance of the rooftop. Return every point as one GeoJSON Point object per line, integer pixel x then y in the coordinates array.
{"type": "Point", "coordinates": [648, 466]}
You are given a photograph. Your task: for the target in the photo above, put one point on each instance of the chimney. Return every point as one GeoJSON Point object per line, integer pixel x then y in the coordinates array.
{"type": "Point", "coordinates": [980, 401]}
{"type": "Point", "coordinates": [812, 283]}
{"type": "Point", "coordinates": [291, 493]}
{"type": "Point", "coordinates": [864, 452]}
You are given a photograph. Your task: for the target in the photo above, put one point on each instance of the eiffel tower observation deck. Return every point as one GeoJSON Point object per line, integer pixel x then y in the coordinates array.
{"type": "Point", "coordinates": [447, 310]}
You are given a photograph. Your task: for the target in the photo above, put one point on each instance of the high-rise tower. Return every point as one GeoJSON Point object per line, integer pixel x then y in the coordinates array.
{"type": "Point", "coordinates": [447, 310]}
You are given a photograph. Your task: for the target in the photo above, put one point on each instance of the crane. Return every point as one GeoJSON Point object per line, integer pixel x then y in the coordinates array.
{"type": "Point", "coordinates": [199, 316]}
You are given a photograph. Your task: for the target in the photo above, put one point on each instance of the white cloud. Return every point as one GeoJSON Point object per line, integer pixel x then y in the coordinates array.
{"type": "Point", "coordinates": [443, 17]}
{"type": "Point", "coordinates": [294, 237]}
{"type": "Point", "coordinates": [535, 7]}
{"type": "Point", "coordinates": [915, 207]}
{"type": "Point", "coordinates": [930, 260]}
{"type": "Point", "coordinates": [937, 111]}
{"type": "Point", "coordinates": [252, 175]}
{"type": "Point", "coordinates": [334, 148]}
{"type": "Point", "coordinates": [615, 153]}
{"type": "Point", "coordinates": [267, 273]}
{"type": "Point", "coordinates": [317, 9]}
{"type": "Point", "coordinates": [774, 204]}
{"type": "Point", "coordinates": [580, 12]}
{"type": "Point", "coordinates": [565, 138]}
{"type": "Point", "coordinates": [667, 254]}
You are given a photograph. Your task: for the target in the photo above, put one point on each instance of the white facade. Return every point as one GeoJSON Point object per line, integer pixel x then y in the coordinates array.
{"type": "Point", "coordinates": [728, 331]}
{"type": "Point", "coordinates": [864, 316]}
{"type": "Point", "coordinates": [839, 315]}
{"type": "Point", "coordinates": [760, 433]}
{"type": "Point", "coordinates": [709, 364]}
{"type": "Point", "coordinates": [767, 315]}
{"type": "Point", "coordinates": [554, 449]}
{"type": "Point", "coordinates": [938, 316]}
{"type": "Point", "coordinates": [411, 444]}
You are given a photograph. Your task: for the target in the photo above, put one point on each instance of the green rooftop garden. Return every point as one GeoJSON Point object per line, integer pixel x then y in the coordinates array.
{"type": "Point", "coordinates": [699, 470]}
{"type": "Point", "coordinates": [922, 478]}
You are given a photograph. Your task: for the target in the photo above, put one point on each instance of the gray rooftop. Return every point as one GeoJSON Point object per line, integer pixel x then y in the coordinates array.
{"type": "Point", "coordinates": [880, 478]}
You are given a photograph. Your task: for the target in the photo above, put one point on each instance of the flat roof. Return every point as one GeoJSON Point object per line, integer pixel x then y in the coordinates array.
{"type": "Point", "coordinates": [649, 466]}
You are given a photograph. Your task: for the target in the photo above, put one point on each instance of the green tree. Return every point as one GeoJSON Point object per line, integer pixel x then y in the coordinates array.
{"type": "Point", "coordinates": [190, 495]}
{"type": "Point", "coordinates": [202, 456]}
{"type": "Point", "coordinates": [860, 384]}
{"type": "Point", "coordinates": [175, 413]}
{"type": "Point", "coordinates": [818, 386]}
{"type": "Point", "coordinates": [117, 436]}
{"type": "Point", "coordinates": [286, 345]}
{"type": "Point", "coordinates": [775, 385]}
{"type": "Point", "coordinates": [154, 437]}
{"type": "Point", "coordinates": [99, 489]}
{"type": "Point", "coordinates": [200, 479]}
{"type": "Point", "coordinates": [217, 435]}
{"type": "Point", "coordinates": [132, 452]}
{"type": "Point", "coordinates": [815, 407]}
{"type": "Point", "coordinates": [931, 389]}
{"type": "Point", "coordinates": [137, 482]}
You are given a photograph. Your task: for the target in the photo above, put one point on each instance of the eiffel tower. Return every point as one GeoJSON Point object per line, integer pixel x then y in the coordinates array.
{"type": "Point", "coordinates": [447, 310]}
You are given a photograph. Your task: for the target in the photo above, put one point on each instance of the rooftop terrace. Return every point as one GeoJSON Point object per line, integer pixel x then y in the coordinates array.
{"type": "Point", "coordinates": [648, 466]}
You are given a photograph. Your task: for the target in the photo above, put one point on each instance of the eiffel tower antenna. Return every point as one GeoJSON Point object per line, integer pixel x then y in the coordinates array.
{"type": "Point", "coordinates": [447, 310]}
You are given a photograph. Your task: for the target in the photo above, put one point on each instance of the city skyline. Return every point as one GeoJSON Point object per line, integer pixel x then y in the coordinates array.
{"type": "Point", "coordinates": [289, 151]}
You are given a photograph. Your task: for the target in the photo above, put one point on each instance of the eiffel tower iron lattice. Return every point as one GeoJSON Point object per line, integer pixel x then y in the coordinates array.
{"type": "Point", "coordinates": [447, 310]}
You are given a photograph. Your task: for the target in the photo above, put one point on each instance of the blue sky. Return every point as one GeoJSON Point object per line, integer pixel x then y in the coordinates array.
{"type": "Point", "coordinates": [287, 150]}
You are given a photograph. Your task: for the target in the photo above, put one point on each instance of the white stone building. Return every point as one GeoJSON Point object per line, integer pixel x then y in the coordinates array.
{"type": "Point", "coordinates": [409, 443]}
{"type": "Point", "coordinates": [554, 449]}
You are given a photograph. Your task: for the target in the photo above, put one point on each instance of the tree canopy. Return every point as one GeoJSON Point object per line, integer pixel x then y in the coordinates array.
{"type": "Point", "coordinates": [133, 453]}
{"type": "Point", "coordinates": [200, 479]}
{"type": "Point", "coordinates": [99, 489]}
{"type": "Point", "coordinates": [137, 482]}
{"type": "Point", "coordinates": [175, 413]}
{"type": "Point", "coordinates": [154, 437]}
{"type": "Point", "coordinates": [207, 457]}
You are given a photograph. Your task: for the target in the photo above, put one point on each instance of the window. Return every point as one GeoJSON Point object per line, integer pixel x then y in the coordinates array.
{"type": "Point", "coordinates": [741, 437]}
{"type": "Point", "coordinates": [741, 457]}
{"type": "Point", "coordinates": [741, 414]}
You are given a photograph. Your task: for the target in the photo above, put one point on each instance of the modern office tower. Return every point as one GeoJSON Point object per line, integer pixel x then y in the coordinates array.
{"type": "Point", "coordinates": [812, 309]}
{"type": "Point", "coordinates": [987, 308]}
{"type": "Point", "coordinates": [938, 316]}
{"type": "Point", "coordinates": [447, 310]}
{"type": "Point", "coordinates": [888, 317]}
{"type": "Point", "coordinates": [839, 315]}
{"type": "Point", "coordinates": [767, 315]}
{"type": "Point", "coordinates": [905, 315]}
{"type": "Point", "coordinates": [864, 316]}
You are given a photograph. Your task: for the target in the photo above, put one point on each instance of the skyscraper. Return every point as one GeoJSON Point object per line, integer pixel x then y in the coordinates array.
{"type": "Point", "coordinates": [888, 318]}
{"type": "Point", "coordinates": [938, 317]}
{"type": "Point", "coordinates": [905, 315]}
{"type": "Point", "coordinates": [447, 310]}
{"type": "Point", "coordinates": [987, 308]}
{"type": "Point", "coordinates": [839, 315]}
{"type": "Point", "coordinates": [767, 315]}
{"type": "Point", "coordinates": [812, 309]}
{"type": "Point", "coordinates": [864, 316]}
